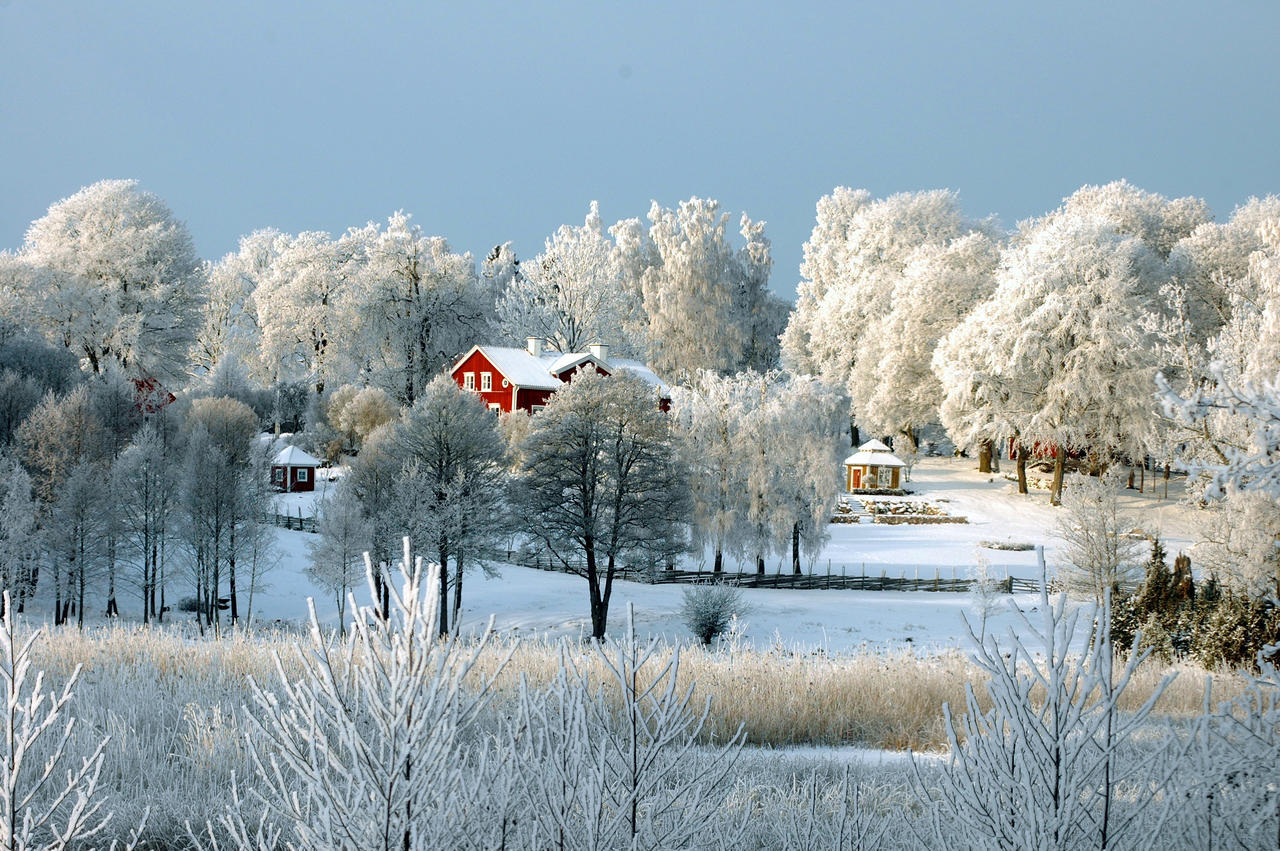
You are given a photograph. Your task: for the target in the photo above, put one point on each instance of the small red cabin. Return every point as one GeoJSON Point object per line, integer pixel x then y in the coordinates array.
{"type": "Point", "coordinates": [293, 470]}
{"type": "Point", "coordinates": [510, 379]}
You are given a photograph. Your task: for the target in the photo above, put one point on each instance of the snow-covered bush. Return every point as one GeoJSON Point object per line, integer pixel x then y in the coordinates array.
{"type": "Point", "coordinates": [708, 609]}
{"type": "Point", "coordinates": [612, 765]}
{"type": "Point", "coordinates": [38, 808]}
{"type": "Point", "coordinates": [365, 748]}
{"type": "Point", "coordinates": [1041, 761]}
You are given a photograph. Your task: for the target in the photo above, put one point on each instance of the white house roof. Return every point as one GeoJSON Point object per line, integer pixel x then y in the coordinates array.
{"type": "Point", "coordinates": [642, 372]}
{"type": "Point", "coordinates": [292, 456]}
{"type": "Point", "coordinates": [873, 453]}
{"type": "Point", "coordinates": [521, 368]}
{"type": "Point", "coordinates": [539, 373]}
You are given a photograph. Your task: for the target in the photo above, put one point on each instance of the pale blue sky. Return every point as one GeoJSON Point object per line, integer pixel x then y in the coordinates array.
{"type": "Point", "coordinates": [493, 122]}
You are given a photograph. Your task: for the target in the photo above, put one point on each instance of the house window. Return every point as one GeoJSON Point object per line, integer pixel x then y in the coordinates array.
{"type": "Point", "coordinates": [536, 408]}
{"type": "Point", "coordinates": [886, 477]}
{"type": "Point", "coordinates": [468, 381]}
{"type": "Point", "coordinates": [303, 472]}
{"type": "Point", "coordinates": [277, 475]}
{"type": "Point", "coordinates": [486, 382]}
{"type": "Point", "coordinates": [495, 408]}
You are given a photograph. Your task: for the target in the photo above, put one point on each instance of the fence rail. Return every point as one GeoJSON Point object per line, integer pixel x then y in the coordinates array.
{"type": "Point", "coordinates": [844, 579]}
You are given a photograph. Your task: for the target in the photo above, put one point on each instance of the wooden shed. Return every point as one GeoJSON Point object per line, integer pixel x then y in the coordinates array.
{"type": "Point", "coordinates": [294, 470]}
{"type": "Point", "coordinates": [872, 466]}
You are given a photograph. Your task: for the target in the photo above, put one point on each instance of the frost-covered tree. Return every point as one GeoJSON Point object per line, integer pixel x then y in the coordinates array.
{"type": "Point", "coordinates": [892, 385]}
{"type": "Point", "coordinates": [1098, 554]}
{"type": "Point", "coordinates": [115, 279]}
{"type": "Point", "coordinates": [450, 489]}
{"type": "Point", "coordinates": [707, 304]}
{"type": "Point", "coordinates": [19, 539]}
{"type": "Point", "coordinates": [301, 306]}
{"type": "Point", "coordinates": [1058, 356]}
{"type": "Point", "coordinates": [223, 500]}
{"type": "Point", "coordinates": [709, 417]}
{"type": "Point", "coordinates": [573, 294]}
{"type": "Point", "coordinates": [799, 431]}
{"type": "Point", "coordinates": [29, 368]}
{"type": "Point", "coordinates": [229, 326]}
{"type": "Point", "coordinates": [357, 411]}
{"type": "Point", "coordinates": [337, 558]}
{"type": "Point", "coordinates": [853, 261]}
{"type": "Point", "coordinates": [600, 483]}
{"type": "Point", "coordinates": [59, 433]}
{"type": "Point", "coordinates": [417, 304]}
{"type": "Point", "coordinates": [75, 539]}
{"type": "Point", "coordinates": [147, 489]}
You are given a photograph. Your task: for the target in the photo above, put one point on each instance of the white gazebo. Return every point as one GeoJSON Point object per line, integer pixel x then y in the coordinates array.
{"type": "Point", "coordinates": [873, 466]}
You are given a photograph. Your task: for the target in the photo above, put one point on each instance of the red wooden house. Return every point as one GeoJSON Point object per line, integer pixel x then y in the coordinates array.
{"type": "Point", "coordinates": [510, 379]}
{"type": "Point", "coordinates": [294, 470]}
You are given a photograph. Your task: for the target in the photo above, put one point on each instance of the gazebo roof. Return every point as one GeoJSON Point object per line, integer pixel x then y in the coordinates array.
{"type": "Point", "coordinates": [873, 453]}
{"type": "Point", "coordinates": [292, 456]}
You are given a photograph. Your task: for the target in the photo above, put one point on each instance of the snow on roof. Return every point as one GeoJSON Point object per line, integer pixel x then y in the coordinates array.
{"type": "Point", "coordinates": [642, 372]}
{"type": "Point", "coordinates": [873, 453]}
{"type": "Point", "coordinates": [520, 368]}
{"type": "Point", "coordinates": [560, 363]}
{"type": "Point", "coordinates": [292, 456]}
{"type": "Point", "coordinates": [539, 373]}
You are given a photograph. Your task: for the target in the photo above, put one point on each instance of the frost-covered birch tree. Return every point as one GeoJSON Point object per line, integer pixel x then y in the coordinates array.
{"type": "Point", "coordinates": [337, 558]}
{"type": "Point", "coordinates": [706, 303]}
{"type": "Point", "coordinates": [573, 293]}
{"type": "Point", "coordinates": [416, 303]}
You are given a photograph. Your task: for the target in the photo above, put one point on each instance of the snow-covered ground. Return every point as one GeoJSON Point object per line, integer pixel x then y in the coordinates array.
{"type": "Point", "coordinates": [540, 604]}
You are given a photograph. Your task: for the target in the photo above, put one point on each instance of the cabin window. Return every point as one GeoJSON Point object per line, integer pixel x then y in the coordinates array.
{"type": "Point", "coordinates": [886, 477]}
{"type": "Point", "coordinates": [535, 408]}
{"type": "Point", "coordinates": [486, 381]}
{"type": "Point", "coordinates": [303, 472]}
{"type": "Point", "coordinates": [495, 408]}
{"type": "Point", "coordinates": [277, 475]}
{"type": "Point", "coordinates": [468, 381]}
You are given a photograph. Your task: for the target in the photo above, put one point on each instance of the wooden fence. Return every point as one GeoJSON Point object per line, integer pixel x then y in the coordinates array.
{"type": "Point", "coordinates": [293, 521]}
{"type": "Point", "coordinates": [909, 578]}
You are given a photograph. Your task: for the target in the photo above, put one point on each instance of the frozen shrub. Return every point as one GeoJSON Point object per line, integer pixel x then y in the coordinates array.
{"type": "Point", "coordinates": [366, 748]}
{"type": "Point", "coordinates": [708, 609]}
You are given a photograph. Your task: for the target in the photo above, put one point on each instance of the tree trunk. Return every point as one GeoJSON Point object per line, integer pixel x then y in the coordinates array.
{"type": "Point", "coordinates": [795, 548]}
{"type": "Point", "coordinates": [457, 588]}
{"type": "Point", "coordinates": [1059, 465]}
{"type": "Point", "coordinates": [1023, 454]}
{"type": "Point", "coordinates": [760, 565]}
{"type": "Point", "coordinates": [984, 457]}
{"type": "Point", "coordinates": [853, 434]}
{"type": "Point", "coordinates": [719, 562]}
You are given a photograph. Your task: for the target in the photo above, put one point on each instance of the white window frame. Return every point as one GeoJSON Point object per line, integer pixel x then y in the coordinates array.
{"type": "Point", "coordinates": [304, 474]}
{"type": "Point", "coordinates": [277, 475]}
{"type": "Point", "coordinates": [533, 409]}
{"type": "Point", "coordinates": [495, 408]}
{"type": "Point", "coordinates": [468, 381]}
{"type": "Point", "coordinates": [486, 382]}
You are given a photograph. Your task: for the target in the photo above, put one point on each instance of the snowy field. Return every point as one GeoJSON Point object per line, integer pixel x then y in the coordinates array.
{"type": "Point", "coordinates": [541, 604]}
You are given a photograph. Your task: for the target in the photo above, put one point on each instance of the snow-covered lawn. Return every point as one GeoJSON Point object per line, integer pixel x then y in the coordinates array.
{"type": "Point", "coordinates": [540, 604]}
